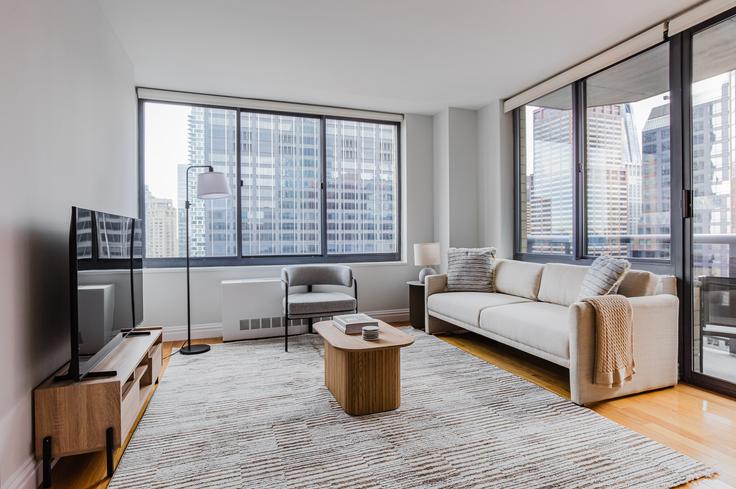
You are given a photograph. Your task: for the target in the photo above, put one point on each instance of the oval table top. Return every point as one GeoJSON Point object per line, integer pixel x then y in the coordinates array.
{"type": "Point", "coordinates": [388, 337]}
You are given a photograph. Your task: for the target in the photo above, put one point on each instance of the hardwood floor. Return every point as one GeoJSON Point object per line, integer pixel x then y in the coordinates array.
{"type": "Point", "coordinates": [693, 421]}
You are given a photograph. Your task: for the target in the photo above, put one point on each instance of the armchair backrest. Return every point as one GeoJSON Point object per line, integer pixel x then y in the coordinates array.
{"type": "Point", "coordinates": [317, 275]}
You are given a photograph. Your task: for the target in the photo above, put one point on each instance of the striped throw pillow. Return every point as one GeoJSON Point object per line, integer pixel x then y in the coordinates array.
{"type": "Point", "coordinates": [471, 269]}
{"type": "Point", "coordinates": [603, 277]}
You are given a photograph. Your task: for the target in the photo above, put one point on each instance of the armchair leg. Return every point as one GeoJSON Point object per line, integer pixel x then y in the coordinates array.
{"type": "Point", "coordinates": [310, 321]}
{"type": "Point", "coordinates": [286, 333]}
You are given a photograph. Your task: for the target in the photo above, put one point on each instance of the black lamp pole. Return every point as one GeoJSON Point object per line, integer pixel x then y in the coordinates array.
{"type": "Point", "coordinates": [190, 349]}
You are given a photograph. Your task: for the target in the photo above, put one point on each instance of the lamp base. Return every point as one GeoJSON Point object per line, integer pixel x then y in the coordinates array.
{"type": "Point", "coordinates": [194, 349]}
{"type": "Point", "coordinates": [426, 271]}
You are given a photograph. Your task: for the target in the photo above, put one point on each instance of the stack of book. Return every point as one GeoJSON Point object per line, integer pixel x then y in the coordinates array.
{"type": "Point", "coordinates": [353, 323]}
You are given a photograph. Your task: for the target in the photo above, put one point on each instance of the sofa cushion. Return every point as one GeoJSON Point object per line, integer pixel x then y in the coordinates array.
{"type": "Point", "coordinates": [604, 277]}
{"type": "Point", "coordinates": [638, 283]}
{"type": "Point", "coordinates": [561, 283]}
{"type": "Point", "coordinates": [518, 278]}
{"type": "Point", "coordinates": [466, 306]}
{"type": "Point", "coordinates": [539, 325]}
{"type": "Point", "coordinates": [320, 303]}
{"type": "Point", "coordinates": [470, 269]}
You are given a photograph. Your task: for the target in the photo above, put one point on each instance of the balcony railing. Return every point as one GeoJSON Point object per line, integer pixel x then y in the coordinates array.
{"type": "Point", "coordinates": [720, 260]}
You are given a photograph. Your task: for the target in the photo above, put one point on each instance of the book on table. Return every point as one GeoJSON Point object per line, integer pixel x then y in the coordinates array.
{"type": "Point", "coordinates": [353, 323]}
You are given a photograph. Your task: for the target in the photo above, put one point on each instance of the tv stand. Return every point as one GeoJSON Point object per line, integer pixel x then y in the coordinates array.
{"type": "Point", "coordinates": [98, 412]}
{"type": "Point", "coordinates": [135, 332]}
{"type": "Point", "coordinates": [89, 375]}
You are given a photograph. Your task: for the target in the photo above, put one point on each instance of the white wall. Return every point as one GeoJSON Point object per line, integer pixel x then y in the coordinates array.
{"type": "Point", "coordinates": [496, 179]}
{"type": "Point", "coordinates": [463, 149]}
{"type": "Point", "coordinates": [456, 186]}
{"type": "Point", "coordinates": [67, 136]}
{"type": "Point", "coordinates": [381, 286]}
{"type": "Point", "coordinates": [441, 182]}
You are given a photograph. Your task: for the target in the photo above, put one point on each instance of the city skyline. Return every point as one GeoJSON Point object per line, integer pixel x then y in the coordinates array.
{"type": "Point", "coordinates": [628, 177]}
{"type": "Point", "coordinates": [280, 158]}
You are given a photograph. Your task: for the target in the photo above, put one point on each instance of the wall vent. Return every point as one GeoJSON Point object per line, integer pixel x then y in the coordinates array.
{"type": "Point", "coordinates": [273, 322]}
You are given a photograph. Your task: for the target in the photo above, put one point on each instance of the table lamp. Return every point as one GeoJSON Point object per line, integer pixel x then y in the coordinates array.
{"type": "Point", "coordinates": [425, 255]}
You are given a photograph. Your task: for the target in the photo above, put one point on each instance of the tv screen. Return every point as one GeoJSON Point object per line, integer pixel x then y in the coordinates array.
{"type": "Point", "coordinates": [104, 285]}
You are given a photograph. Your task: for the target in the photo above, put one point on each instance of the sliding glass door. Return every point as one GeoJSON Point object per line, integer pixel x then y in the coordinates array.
{"type": "Point", "coordinates": [712, 216]}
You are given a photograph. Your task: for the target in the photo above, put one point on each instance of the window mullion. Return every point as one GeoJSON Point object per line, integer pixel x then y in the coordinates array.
{"type": "Point", "coordinates": [238, 192]}
{"type": "Point", "coordinates": [579, 164]}
{"type": "Point", "coordinates": [323, 183]}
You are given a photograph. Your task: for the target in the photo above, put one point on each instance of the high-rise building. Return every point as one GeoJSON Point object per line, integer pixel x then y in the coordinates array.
{"type": "Point", "coordinates": [654, 221]}
{"type": "Point", "coordinates": [280, 196]}
{"type": "Point", "coordinates": [607, 205]}
{"type": "Point", "coordinates": [713, 178]}
{"type": "Point", "coordinates": [361, 187]}
{"type": "Point", "coordinates": [161, 227]}
{"type": "Point", "coordinates": [281, 185]}
{"type": "Point", "coordinates": [633, 164]}
{"type": "Point", "coordinates": [549, 184]}
{"type": "Point", "coordinates": [212, 223]}
{"type": "Point", "coordinates": [613, 174]}
{"type": "Point", "coordinates": [711, 181]}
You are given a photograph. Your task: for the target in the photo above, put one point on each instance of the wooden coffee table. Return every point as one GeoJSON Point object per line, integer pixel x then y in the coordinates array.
{"type": "Point", "coordinates": [364, 376]}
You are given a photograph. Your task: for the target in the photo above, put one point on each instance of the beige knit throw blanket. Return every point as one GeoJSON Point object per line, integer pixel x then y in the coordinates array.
{"type": "Point", "coordinates": [614, 340]}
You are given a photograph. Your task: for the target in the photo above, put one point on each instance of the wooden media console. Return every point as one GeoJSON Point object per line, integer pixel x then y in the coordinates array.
{"type": "Point", "coordinates": [97, 413]}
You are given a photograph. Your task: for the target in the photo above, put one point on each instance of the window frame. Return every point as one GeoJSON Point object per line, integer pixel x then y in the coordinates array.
{"type": "Point", "coordinates": [239, 259]}
{"type": "Point", "coordinates": [681, 187]}
{"type": "Point", "coordinates": [580, 255]}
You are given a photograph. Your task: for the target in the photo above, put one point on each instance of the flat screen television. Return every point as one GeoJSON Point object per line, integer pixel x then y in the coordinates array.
{"type": "Point", "coordinates": [106, 286]}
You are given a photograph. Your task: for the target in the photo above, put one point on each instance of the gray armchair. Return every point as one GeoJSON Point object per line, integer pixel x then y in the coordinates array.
{"type": "Point", "coordinates": [307, 304]}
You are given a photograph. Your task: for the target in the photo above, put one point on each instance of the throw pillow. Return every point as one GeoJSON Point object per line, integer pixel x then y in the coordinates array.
{"type": "Point", "coordinates": [603, 277]}
{"type": "Point", "coordinates": [471, 269]}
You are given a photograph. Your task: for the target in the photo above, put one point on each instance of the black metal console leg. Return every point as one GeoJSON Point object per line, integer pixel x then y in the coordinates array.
{"type": "Point", "coordinates": [286, 333]}
{"type": "Point", "coordinates": [311, 322]}
{"type": "Point", "coordinates": [47, 462]}
{"type": "Point", "coordinates": [109, 449]}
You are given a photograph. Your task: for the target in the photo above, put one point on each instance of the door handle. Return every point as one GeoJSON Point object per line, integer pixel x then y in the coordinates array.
{"type": "Point", "coordinates": [686, 202]}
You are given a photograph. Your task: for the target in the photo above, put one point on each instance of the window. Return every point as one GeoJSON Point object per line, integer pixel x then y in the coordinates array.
{"type": "Point", "coordinates": [546, 174]}
{"type": "Point", "coordinates": [177, 136]}
{"type": "Point", "coordinates": [627, 162]}
{"type": "Point", "coordinates": [362, 187]}
{"type": "Point", "coordinates": [280, 196]}
{"type": "Point", "coordinates": [594, 170]}
{"type": "Point", "coordinates": [311, 188]}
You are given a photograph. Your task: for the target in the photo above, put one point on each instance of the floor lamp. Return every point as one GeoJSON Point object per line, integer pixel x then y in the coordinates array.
{"type": "Point", "coordinates": [210, 185]}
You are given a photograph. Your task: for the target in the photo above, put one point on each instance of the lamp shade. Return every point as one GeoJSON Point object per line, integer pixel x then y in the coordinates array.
{"type": "Point", "coordinates": [212, 185]}
{"type": "Point", "coordinates": [427, 254]}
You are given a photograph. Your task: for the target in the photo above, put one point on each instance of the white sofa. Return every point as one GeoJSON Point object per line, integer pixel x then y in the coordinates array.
{"type": "Point", "coordinates": [534, 310]}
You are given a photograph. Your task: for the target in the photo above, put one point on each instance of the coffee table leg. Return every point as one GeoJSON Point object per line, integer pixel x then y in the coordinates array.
{"type": "Point", "coordinates": [364, 382]}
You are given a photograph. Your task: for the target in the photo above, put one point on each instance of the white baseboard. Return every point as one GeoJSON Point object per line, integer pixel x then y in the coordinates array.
{"type": "Point", "coordinates": [28, 475]}
{"type": "Point", "coordinates": [199, 331]}
{"type": "Point", "coordinates": [205, 330]}
{"type": "Point", "coordinates": [214, 330]}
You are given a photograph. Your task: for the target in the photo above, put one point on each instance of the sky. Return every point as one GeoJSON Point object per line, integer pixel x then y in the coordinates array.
{"type": "Point", "coordinates": [165, 146]}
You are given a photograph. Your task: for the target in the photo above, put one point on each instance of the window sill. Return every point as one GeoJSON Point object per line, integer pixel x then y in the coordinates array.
{"type": "Point", "coordinates": [268, 268]}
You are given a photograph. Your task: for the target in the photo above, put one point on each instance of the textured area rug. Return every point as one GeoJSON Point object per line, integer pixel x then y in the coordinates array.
{"type": "Point", "coordinates": [249, 415]}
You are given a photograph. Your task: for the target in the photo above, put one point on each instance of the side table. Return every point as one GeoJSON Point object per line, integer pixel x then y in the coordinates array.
{"type": "Point", "coordinates": [416, 304]}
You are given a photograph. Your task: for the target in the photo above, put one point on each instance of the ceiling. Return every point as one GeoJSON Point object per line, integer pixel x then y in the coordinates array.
{"type": "Point", "coordinates": [416, 56]}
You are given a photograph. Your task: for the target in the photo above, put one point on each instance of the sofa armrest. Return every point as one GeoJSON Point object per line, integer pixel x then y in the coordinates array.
{"type": "Point", "coordinates": [434, 284]}
{"type": "Point", "coordinates": [655, 348]}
